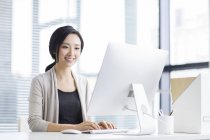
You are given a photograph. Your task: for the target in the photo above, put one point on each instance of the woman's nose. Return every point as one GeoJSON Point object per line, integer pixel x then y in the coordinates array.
{"type": "Point", "coordinates": [71, 51]}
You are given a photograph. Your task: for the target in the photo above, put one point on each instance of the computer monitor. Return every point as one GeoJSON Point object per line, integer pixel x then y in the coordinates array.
{"type": "Point", "coordinates": [124, 65]}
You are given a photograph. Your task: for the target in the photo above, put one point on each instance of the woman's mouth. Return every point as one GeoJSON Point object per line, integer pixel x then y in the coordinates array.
{"type": "Point", "coordinates": [69, 60]}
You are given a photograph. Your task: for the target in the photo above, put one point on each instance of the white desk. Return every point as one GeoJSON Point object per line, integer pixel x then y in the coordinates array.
{"type": "Point", "coordinates": [59, 136]}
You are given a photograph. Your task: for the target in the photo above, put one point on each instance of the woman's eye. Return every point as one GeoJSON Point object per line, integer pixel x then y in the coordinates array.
{"type": "Point", "coordinates": [77, 48]}
{"type": "Point", "coordinates": [64, 46]}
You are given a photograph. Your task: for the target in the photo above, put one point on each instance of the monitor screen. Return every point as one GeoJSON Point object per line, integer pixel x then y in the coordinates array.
{"type": "Point", "coordinates": [124, 65]}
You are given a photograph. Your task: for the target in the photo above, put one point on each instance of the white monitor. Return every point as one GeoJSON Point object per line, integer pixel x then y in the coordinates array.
{"type": "Point", "coordinates": [123, 65]}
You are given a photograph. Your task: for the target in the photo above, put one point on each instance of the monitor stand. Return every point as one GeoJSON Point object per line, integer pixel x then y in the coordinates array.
{"type": "Point", "coordinates": [144, 112]}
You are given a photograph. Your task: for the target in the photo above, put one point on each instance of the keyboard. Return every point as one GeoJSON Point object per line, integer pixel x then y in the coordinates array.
{"type": "Point", "coordinates": [105, 131]}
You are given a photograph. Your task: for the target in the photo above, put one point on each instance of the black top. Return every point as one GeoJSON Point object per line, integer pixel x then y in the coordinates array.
{"type": "Point", "coordinates": [70, 111]}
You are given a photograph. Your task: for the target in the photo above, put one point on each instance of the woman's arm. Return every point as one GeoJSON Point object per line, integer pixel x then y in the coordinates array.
{"type": "Point", "coordinates": [86, 125]}
{"type": "Point", "coordinates": [53, 127]}
{"type": "Point", "coordinates": [35, 121]}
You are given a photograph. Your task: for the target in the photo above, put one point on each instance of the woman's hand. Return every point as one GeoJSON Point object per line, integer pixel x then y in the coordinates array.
{"type": "Point", "coordinates": [87, 125]}
{"type": "Point", "coordinates": [106, 125]}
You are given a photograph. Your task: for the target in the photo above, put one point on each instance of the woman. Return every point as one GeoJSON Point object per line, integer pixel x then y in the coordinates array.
{"type": "Point", "coordinates": [59, 98]}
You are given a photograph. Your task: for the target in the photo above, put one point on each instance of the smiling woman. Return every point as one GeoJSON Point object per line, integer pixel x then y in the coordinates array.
{"type": "Point", "coordinates": [59, 98]}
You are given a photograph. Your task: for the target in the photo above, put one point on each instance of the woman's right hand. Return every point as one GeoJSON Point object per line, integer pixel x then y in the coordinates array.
{"type": "Point", "coordinates": [87, 125]}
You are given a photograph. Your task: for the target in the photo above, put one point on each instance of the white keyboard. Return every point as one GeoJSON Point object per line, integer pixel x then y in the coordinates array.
{"type": "Point", "coordinates": [106, 131]}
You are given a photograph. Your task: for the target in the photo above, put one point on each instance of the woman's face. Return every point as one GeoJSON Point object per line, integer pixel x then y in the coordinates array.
{"type": "Point", "coordinates": [69, 51]}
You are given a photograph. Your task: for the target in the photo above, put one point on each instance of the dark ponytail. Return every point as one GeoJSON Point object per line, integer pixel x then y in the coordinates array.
{"type": "Point", "coordinates": [57, 39]}
{"type": "Point", "coordinates": [50, 66]}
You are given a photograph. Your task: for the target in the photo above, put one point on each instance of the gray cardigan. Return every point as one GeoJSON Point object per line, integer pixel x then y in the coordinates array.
{"type": "Point", "coordinates": [44, 103]}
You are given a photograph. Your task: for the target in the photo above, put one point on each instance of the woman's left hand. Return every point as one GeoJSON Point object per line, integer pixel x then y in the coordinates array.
{"type": "Point", "coordinates": [106, 125]}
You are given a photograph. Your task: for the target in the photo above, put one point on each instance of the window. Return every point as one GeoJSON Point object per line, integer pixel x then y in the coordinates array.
{"type": "Point", "coordinates": [189, 31]}
{"type": "Point", "coordinates": [189, 37]}
{"type": "Point", "coordinates": [185, 33]}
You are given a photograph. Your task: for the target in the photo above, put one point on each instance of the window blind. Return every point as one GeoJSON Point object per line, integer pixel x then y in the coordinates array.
{"type": "Point", "coordinates": [7, 81]}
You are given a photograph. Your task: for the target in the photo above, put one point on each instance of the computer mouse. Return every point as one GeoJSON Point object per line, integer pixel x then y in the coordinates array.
{"type": "Point", "coordinates": [71, 131]}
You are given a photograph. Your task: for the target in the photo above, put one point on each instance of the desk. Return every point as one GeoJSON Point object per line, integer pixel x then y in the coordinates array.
{"type": "Point", "coordinates": [59, 136]}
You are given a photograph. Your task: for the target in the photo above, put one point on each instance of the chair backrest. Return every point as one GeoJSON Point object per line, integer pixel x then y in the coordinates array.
{"type": "Point", "coordinates": [23, 124]}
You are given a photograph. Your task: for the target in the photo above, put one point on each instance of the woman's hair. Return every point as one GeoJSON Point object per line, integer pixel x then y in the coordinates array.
{"type": "Point", "coordinates": [57, 39]}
